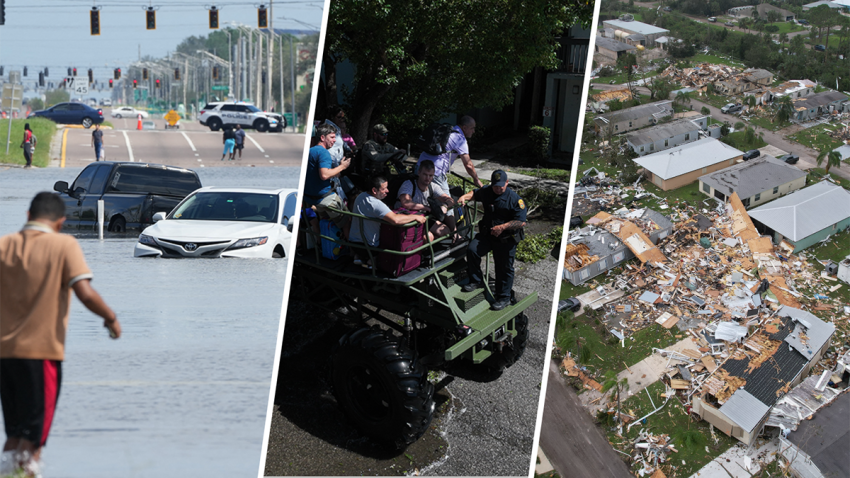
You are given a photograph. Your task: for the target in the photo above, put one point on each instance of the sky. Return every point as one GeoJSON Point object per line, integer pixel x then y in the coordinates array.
{"type": "Point", "coordinates": [55, 33]}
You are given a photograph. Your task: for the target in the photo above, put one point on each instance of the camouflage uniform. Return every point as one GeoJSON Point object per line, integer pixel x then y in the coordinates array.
{"type": "Point", "coordinates": [376, 155]}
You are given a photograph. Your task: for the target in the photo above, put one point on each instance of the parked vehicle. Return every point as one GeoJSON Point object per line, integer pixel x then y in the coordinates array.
{"type": "Point", "coordinates": [106, 102]}
{"type": "Point", "coordinates": [731, 108]}
{"type": "Point", "coordinates": [803, 21]}
{"type": "Point", "coordinates": [753, 153]}
{"type": "Point", "coordinates": [729, 24]}
{"type": "Point", "coordinates": [223, 222]}
{"type": "Point", "coordinates": [790, 158]}
{"type": "Point", "coordinates": [667, 9]}
{"type": "Point", "coordinates": [712, 19]}
{"type": "Point", "coordinates": [820, 48]}
{"type": "Point", "coordinates": [71, 113]}
{"type": "Point", "coordinates": [218, 115]}
{"type": "Point", "coordinates": [128, 112]}
{"type": "Point", "coordinates": [131, 192]}
{"type": "Point", "coordinates": [572, 304]}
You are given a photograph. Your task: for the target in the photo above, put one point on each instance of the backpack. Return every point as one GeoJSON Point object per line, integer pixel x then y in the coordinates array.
{"type": "Point", "coordinates": [434, 139]}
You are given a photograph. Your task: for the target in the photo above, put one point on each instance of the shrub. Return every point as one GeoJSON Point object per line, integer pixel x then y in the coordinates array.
{"type": "Point", "coordinates": [704, 110]}
{"type": "Point", "coordinates": [739, 125]}
{"type": "Point", "coordinates": [538, 138]}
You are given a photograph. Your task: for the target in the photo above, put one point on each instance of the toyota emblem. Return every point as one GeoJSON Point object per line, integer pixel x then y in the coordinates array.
{"type": "Point", "coordinates": [190, 246]}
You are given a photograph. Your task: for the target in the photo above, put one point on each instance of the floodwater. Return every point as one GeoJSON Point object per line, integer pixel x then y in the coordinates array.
{"type": "Point", "coordinates": [184, 392]}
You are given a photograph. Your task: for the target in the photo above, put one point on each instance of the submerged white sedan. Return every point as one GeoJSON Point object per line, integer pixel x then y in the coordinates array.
{"type": "Point", "coordinates": [223, 222]}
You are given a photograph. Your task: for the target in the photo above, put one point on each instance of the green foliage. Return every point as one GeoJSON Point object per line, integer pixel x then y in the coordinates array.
{"type": "Point", "coordinates": [704, 110]}
{"type": "Point", "coordinates": [536, 247]}
{"type": "Point", "coordinates": [739, 125]}
{"type": "Point", "coordinates": [691, 440]}
{"type": "Point", "coordinates": [724, 130]}
{"type": "Point", "coordinates": [625, 61]}
{"type": "Point", "coordinates": [53, 97]}
{"type": "Point", "coordinates": [42, 128]}
{"type": "Point", "coordinates": [36, 104]}
{"type": "Point", "coordinates": [538, 139]}
{"type": "Point", "coordinates": [833, 159]}
{"type": "Point", "coordinates": [416, 61]}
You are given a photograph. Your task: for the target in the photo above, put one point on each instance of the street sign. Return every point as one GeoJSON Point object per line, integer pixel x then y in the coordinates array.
{"type": "Point", "coordinates": [78, 87]}
{"type": "Point", "coordinates": [12, 97]}
{"type": "Point", "coordinates": [219, 88]}
{"type": "Point", "coordinates": [548, 111]}
{"type": "Point", "coordinates": [172, 117]}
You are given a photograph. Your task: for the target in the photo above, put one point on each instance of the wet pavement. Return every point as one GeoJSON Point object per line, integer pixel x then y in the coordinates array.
{"type": "Point", "coordinates": [184, 392]}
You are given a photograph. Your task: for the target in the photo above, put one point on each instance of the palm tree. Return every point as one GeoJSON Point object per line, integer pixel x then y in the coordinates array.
{"type": "Point", "coordinates": [710, 89]}
{"type": "Point", "coordinates": [683, 97]}
{"type": "Point", "coordinates": [833, 158]}
{"type": "Point", "coordinates": [750, 101]}
{"type": "Point", "coordinates": [784, 110]}
{"type": "Point", "coordinates": [611, 381]}
{"type": "Point", "coordinates": [783, 38]}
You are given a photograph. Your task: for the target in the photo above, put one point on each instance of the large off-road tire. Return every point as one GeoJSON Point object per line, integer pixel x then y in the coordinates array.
{"type": "Point", "coordinates": [512, 353]}
{"type": "Point", "coordinates": [381, 387]}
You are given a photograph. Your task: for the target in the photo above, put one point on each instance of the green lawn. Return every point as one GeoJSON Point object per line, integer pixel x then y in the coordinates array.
{"type": "Point", "coordinates": [787, 27]}
{"type": "Point", "coordinates": [816, 137]}
{"type": "Point", "coordinates": [692, 439]}
{"type": "Point", "coordinates": [714, 59]}
{"type": "Point", "coordinates": [43, 128]}
{"type": "Point", "coordinates": [736, 140]}
{"type": "Point", "coordinates": [562, 175]}
{"type": "Point", "coordinates": [718, 101]}
{"type": "Point", "coordinates": [766, 123]}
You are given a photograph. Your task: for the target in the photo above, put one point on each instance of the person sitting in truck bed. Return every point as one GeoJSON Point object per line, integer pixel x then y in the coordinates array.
{"type": "Point", "coordinates": [417, 194]}
{"type": "Point", "coordinates": [371, 205]}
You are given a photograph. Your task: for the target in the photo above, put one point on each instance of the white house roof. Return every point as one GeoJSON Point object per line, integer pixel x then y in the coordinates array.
{"type": "Point", "coordinates": [805, 211]}
{"type": "Point", "coordinates": [753, 176]}
{"type": "Point", "coordinates": [637, 27]}
{"type": "Point", "coordinates": [744, 409]}
{"type": "Point", "coordinates": [844, 151]}
{"type": "Point", "coordinates": [688, 157]}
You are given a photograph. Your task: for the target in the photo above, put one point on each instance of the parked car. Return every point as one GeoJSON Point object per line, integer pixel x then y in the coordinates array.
{"type": "Point", "coordinates": [729, 24]}
{"type": "Point", "coordinates": [223, 222]}
{"type": "Point", "coordinates": [131, 193]}
{"type": "Point", "coordinates": [71, 113]}
{"type": "Point", "coordinates": [218, 115]}
{"type": "Point", "coordinates": [106, 102]}
{"type": "Point", "coordinates": [712, 19]}
{"type": "Point", "coordinates": [128, 112]}
{"type": "Point", "coordinates": [572, 304]}
{"type": "Point", "coordinates": [803, 21]}
{"type": "Point", "coordinates": [753, 153]}
{"type": "Point", "coordinates": [667, 9]}
{"type": "Point", "coordinates": [790, 158]}
{"type": "Point", "coordinates": [731, 108]}
{"type": "Point", "coordinates": [820, 48]}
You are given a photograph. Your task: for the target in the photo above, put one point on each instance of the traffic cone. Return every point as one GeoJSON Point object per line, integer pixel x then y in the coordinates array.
{"type": "Point", "coordinates": [139, 126]}
{"type": "Point", "coordinates": [3, 114]}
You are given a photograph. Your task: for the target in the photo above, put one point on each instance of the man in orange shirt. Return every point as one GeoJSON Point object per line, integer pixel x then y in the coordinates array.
{"type": "Point", "coordinates": [38, 269]}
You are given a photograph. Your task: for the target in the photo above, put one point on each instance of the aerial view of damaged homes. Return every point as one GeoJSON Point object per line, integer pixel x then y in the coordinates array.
{"type": "Point", "coordinates": [706, 297]}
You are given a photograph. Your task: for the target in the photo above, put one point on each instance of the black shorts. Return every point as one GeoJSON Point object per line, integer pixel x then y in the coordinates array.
{"type": "Point", "coordinates": [29, 390]}
{"type": "Point", "coordinates": [240, 145]}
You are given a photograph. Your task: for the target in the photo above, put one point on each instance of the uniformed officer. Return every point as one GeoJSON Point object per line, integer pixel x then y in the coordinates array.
{"type": "Point", "coordinates": [377, 151]}
{"type": "Point", "coordinates": [500, 231]}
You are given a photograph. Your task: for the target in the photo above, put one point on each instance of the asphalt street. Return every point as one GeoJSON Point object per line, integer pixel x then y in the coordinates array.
{"type": "Point", "coordinates": [190, 146]}
{"type": "Point", "coordinates": [570, 439]}
{"type": "Point", "coordinates": [484, 424]}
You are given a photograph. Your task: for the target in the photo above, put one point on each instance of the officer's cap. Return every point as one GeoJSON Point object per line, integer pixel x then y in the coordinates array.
{"type": "Point", "coordinates": [499, 178]}
{"type": "Point", "coordinates": [379, 128]}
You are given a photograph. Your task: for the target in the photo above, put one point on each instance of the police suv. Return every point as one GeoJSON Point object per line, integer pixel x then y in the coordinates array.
{"type": "Point", "coordinates": [216, 115]}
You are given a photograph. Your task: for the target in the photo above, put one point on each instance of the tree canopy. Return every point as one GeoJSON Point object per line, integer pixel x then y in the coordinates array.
{"type": "Point", "coordinates": [414, 61]}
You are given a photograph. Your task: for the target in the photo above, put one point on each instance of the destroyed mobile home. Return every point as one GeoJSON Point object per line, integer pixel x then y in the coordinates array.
{"type": "Point", "coordinates": [745, 307]}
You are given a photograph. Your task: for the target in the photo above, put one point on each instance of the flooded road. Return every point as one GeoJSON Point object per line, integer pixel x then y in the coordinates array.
{"type": "Point", "coordinates": [184, 391]}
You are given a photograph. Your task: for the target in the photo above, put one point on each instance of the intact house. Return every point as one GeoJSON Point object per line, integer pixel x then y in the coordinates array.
{"type": "Point", "coordinates": [608, 241]}
{"type": "Point", "coordinates": [636, 117]}
{"type": "Point", "coordinates": [819, 104]}
{"type": "Point", "coordinates": [804, 217]}
{"type": "Point", "coordinates": [737, 397]}
{"type": "Point", "coordinates": [684, 164]}
{"type": "Point", "coordinates": [666, 135]}
{"type": "Point", "coordinates": [762, 9]}
{"type": "Point", "coordinates": [756, 181]}
{"type": "Point", "coordinates": [829, 4]}
{"type": "Point", "coordinates": [640, 33]}
{"type": "Point", "coordinates": [611, 49]}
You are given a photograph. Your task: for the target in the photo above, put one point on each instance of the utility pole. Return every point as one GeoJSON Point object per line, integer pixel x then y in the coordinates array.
{"type": "Point", "coordinates": [250, 70]}
{"type": "Point", "coordinates": [292, 79]}
{"type": "Point", "coordinates": [260, 91]}
{"type": "Point", "coordinates": [269, 100]}
{"type": "Point", "coordinates": [280, 65]}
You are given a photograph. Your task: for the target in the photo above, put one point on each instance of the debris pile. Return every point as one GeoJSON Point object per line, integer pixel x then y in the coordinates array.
{"type": "Point", "coordinates": [651, 451]}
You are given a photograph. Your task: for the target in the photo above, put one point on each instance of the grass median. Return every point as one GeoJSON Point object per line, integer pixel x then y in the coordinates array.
{"type": "Point", "coordinates": [42, 128]}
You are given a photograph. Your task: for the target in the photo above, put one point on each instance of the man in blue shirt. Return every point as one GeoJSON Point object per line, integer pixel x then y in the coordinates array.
{"type": "Point", "coordinates": [318, 190]}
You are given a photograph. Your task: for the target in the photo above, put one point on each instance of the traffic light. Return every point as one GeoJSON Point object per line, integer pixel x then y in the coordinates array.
{"type": "Point", "coordinates": [110, 82]}
{"type": "Point", "coordinates": [135, 84]}
{"type": "Point", "coordinates": [117, 74]}
{"type": "Point", "coordinates": [150, 18]}
{"type": "Point", "coordinates": [177, 74]}
{"type": "Point", "coordinates": [1, 71]}
{"type": "Point", "coordinates": [2, 14]}
{"type": "Point", "coordinates": [40, 78]}
{"type": "Point", "coordinates": [25, 71]}
{"type": "Point", "coordinates": [262, 17]}
{"type": "Point", "coordinates": [69, 71]}
{"type": "Point", "coordinates": [213, 17]}
{"type": "Point", "coordinates": [215, 73]}
{"type": "Point", "coordinates": [145, 74]}
{"type": "Point", "coordinates": [91, 76]}
{"type": "Point", "coordinates": [94, 20]}
{"type": "Point", "coordinates": [46, 72]}
{"type": "Point", "coordinates": [75, 71]}
{"type": "Point", "coordinates": [157, 82]}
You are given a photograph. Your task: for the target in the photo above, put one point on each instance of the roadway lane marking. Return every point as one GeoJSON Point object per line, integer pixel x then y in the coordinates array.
{"type": "Point", "coordinates": [191, 145]}
{"type": "Point", "coordinates": [256, 144]}
{"type": "Point", "coordinates": [64, 143]}
{"type": "Point", "coordinates": [129, 148]}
